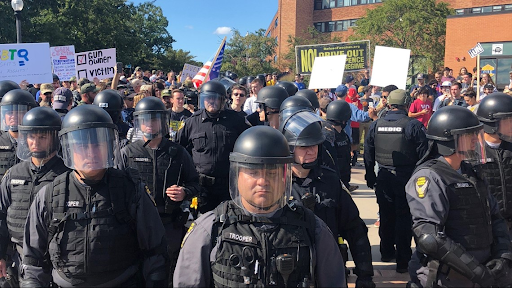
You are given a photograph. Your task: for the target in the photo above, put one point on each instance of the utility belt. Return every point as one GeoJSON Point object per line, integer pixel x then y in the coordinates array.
{"type": "Point", "coordinates": [208, 181]}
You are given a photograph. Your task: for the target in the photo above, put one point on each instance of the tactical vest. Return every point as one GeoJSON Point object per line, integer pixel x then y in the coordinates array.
{"type": "Point", "coordinates": [469, 219]}
{"type": "Point", "coordinates": [92, 242]}
{"type": "Point", "coordinates": [250, 248]}
{"type": "Point", "coordinates": [8, 156]}
{"type": "Point", "coordinates": [24, 185]}
{"type": "Point", "coordinates": [497, 172]}
{"type": "Point", "coordinates": [154, 172]}
{"type": "Point", "coordinates": [391, 146]}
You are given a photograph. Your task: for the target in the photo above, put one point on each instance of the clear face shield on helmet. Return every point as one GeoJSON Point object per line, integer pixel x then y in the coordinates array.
{"type": "Point", "coordinates": [36, 143]}
{"type": "Point", "coordinates": [296, 124]}
{"type": "Point", "coordinates": [471, 146]}
{"type": "Point", "coordinates": [90, 149]}
{"type": "Point", "coordinates": [505, 129]}
{"type": "Point", "coordinates": [260, 188]}
{"type": "Point", "coordinates": [152, 125]}
{"type": "Point", "coordinates": [286, 113]}
{"type": "Point", "coordinates": [211, 102]}
{"type": "Point", "coordinates": [12, 115]}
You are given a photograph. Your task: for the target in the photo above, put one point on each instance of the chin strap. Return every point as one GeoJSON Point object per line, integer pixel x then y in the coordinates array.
{"type": "Point", "coordinates": [263, 208]}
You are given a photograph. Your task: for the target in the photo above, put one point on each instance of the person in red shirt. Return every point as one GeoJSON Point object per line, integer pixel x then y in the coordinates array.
{"type": "Point", "coordinates": [421, 108]}
{"type": "Point", "coordinates": [353, 99]}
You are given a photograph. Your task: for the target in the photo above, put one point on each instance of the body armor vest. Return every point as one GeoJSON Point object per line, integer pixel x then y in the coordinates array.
{"type": "Point", "coordinates": [24, 183]}
{"type": "Point", "coordinates": [391, 146]}
{"type": "Point", "coordinates": [154, 167]}
{"type": "Point", "coordinates": [92, 236]}
{"type": "Point", "coordinates": [8, 156]}
{"type": "Point", "coordinates": [497, 172]}
{"type": "Point", "coordinates": [469, 218]}
{"type": "Point", "coordinates": [251, 248]}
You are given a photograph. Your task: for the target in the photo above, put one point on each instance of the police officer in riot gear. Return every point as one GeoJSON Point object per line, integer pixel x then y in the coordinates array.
{"type": "Point", "coordinates": [15, 103]}
{"type": "Point", "coordinates": [290, 88]}
{"type": "Point", "coordinates": [293, 104]}
{"type": "Point", "coordinates": [113, 103]}
{"type": "Point", "coordinates": [318, 188]}
{"type": "Point", "coordinates": [396, 142]}
{"type": "Point", "coordinates": [6, 86]}
{"type": "Point", "coordinates": [38, 143]}
{"type": "Point", "coordinates": [311, 96]}
{"type": "Point", "coordinates": [96, 224]}
{"type": "Point", "coordinates": [256, 239]}
{"type": "Point", "coordinates": [269, 101]}
{"type": "Point", "coordinates": [209, 135]}
{"type": "Point", "coordinates": [461, 238]}
{"type": "Point", "coordinates": [165, 167]}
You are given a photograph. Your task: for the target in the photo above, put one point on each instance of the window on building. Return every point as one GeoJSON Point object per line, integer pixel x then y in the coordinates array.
{"type": "Point", "coordinates": [275, 59]}
{"type": "Point", "coordinates": [353, 22]}
{"type": "Point", "coordinates": [371, 1]}
{"type": "Point", "coordinates": [508, 7]}
{"type": "Point", "coordinates": [325, 4]}
{"type": "Point", "coordinates": [276, 22]}
{"type": "Point", "coordinates": [318, 4]}
{"type": "Point", "coordinates": [487, 9]}
{"type": "Point", "coordinates": [378, 1]}
{"type": "Point", "coordinates": [339, 25]}
{"type": "Point", "coordinates": [363, 1]}
{"type": "Point", "coordinates": [476, 10]}
{"type": "Point", "coordinates": [331, 27]}
{"type": "Point", "coordinates": [496, 8]}
{"type": "Point", "coordinates": [459, 11]}
{"type": "Point", "coordinates": [347, 2]}
{"type": "Point", "coordinates": [318, 26]}
{"type": "Point", "coordinates": [354, 2]}
{"type": "Point", "coordinates": [332, 4]}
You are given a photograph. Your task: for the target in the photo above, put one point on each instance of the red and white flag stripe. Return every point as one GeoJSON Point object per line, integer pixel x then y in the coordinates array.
{"type": "Point", "coordinates": [199, 78]}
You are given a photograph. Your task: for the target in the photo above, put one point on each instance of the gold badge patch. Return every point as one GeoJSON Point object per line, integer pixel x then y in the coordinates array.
{"type": "Point", "coordinates": [421, 186]}
{"type": "Point", "coordinates": [188, 233]}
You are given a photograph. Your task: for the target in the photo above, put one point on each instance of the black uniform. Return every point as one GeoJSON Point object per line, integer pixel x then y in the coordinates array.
{"type": "Point", "coordinates": [338, 144]}
{"type": "Point", "coordinates": [332, 204]}
{"type": "Point", "coordinates": [210, 140]}
{"type": "Point", "coordinates": [99, 234]}
{"type": "Point", "coordinates": [396, 142]}
{"type": "Point", "coordinates": [451, 208]}
{"type": "Point", "coordinates": [8, 156]}
{"type": "Point", "coordinates": [19, 187]}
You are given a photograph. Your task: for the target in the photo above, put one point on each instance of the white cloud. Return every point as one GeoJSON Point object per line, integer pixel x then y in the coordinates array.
{"type": "Point", "coordinates": [189, 27]}
{"type": "Point", "coordinates": [222, 30]}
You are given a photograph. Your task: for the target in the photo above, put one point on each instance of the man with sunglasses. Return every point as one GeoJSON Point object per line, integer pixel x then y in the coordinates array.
{"type": "Point", "coordinates": [238, 97]}
{"type": "Point", "coordinates": [127, 112]}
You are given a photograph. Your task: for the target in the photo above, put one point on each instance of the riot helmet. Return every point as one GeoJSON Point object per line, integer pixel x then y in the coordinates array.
{"type": "Point", "coordinates": [233, 76]}
{"type": "Point", "coordinates": [293, 104]}
{"type": "Point", "coordinates": [249, 80]}
{"type": "Point", "coordinates": [151, 118]}
{"type": "Point", "coordinates": [262, 79]}
{"type": "Point", "coordinates": [290, 88]}
{"type": "Point", "coordinates": [14, 105]}
{"type": "Point", "coordinates": [6, 86]}
{"type": "Point", "coordinates": [214, 94]}
{"type": "Point", "coordinates": [457, 130]}
{"type": "Point", "coordinates": [338, 112]}
{"type": "Point", "coordinates": [271, 96]}
{"type": "Point", "coordinates": [89, 139]}
{"type": "Point", "coordinates": [38, 134]}
{"type": "Point", "coordinates": [110, 101]}
{"type": "Point", "coordinates": [310, 95]}
{"type": "Point", "coordinates": [495, 112]}
{"type": "Point", "coordinates": [260, 170]}
{"type": "Point", "coordinates": [243, 81]}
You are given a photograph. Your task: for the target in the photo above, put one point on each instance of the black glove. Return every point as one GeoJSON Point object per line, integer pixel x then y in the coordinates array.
{"type": "Point", "coordinates": [370, 179]}
{"type": "Point", "coordinates": [365, 282]}
{"type": "Point", "coordinates": [483, 276]}
{"type": "Point", "coordinates": [498, 267]}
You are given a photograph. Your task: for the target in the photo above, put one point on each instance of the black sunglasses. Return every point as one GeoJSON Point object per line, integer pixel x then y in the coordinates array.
{"type": "Point", "coordinates": [239, 94]}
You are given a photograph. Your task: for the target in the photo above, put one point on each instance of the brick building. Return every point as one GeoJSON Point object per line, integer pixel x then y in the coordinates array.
{"type": "Point", "coordinates": [484, 21]}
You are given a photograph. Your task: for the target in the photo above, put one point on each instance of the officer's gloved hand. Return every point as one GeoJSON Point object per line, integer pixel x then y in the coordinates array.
{"type": "Point", "coordinates": [483, 276]}
{"type": "Point", "coordinates": [498, 267]}
{"type": "Point", "coordinates": [370, 179]}
{"type": "Point", "coordinates": [365, 282]}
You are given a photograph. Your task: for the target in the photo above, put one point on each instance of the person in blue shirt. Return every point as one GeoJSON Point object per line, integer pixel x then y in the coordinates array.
{"type": "Point", "coordinates": [298, 82]}
{"type": "Point", "coordinates": [357, 115]}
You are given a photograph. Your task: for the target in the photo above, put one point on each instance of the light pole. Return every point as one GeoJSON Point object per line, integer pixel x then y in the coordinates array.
{"type": "Point", "coordinates": [17, 6]}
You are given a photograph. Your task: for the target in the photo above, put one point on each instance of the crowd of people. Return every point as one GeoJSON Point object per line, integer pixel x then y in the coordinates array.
{"type": "Point", "coordinates": [102, 179]}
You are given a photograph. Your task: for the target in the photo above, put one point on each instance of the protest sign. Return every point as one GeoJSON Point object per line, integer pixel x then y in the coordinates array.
{"type": "Point", "coordinates": [475, 51]}
{"type": "Point", "coordinates": [26, 61]}
{"type": "Point", "coordinates": [390, 66]}
{"type": "Point", "coordinates": [63, 61]}
{"type": "Point", "coordinates": [96, 64]}
{"type": "Point", "coordinates": [189, 70]}
{"type": "Point", "coordinates": [356, 52]}
{"type": "Point", "coordinates": [327, 72]}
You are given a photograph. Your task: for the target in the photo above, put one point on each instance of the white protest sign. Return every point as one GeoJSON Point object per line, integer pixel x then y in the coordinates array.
{"type": "Point", "coordinates": [327, 72]}
{"type": "Point", "coordinates": [390, 67]}
{"type": "Point", "coordinates": [96, 64]}
{"type": "Point", "coordinates": [475, 51]}
{"type": "Point", "coordinates": [189, 70]}
{"type": "Point", "coordinates": [26, 61]}
{"type": "Point", "coordinates": [64, 62]}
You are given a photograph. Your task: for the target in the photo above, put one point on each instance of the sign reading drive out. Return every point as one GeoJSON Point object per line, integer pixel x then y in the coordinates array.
{"type": "Point", "coordinates": [96, 64]}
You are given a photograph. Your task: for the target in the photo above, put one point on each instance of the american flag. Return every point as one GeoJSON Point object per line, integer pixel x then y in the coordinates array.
{"type": "Point", "coordinates": [199, 79]}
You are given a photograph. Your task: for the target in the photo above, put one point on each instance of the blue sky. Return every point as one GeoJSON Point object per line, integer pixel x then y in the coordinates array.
{"type": "Point", "coordinates": [193, 23]}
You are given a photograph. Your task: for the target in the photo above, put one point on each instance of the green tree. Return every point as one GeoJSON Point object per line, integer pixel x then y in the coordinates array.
{"type": "Point", "coordinates": [250, 54]}
{"type": "Point", "coordinates": [418, 25]}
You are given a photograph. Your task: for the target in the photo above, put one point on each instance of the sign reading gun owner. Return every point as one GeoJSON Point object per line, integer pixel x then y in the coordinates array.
{"type": "Point", "coordinates": [96, 64]}
{"type": "Point", "coordinates": [357, 55]}
{"type": "Point", "coordinates": [24, 61]}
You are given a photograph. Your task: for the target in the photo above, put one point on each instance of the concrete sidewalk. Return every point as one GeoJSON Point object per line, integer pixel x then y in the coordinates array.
{"type": "Point", "coordinates": [364, 197]}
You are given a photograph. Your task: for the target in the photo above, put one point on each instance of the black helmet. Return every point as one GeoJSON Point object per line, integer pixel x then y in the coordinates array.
{"type": "Point", "coordinates": [310, 95]}
{"type": "Point", "coordinates": [492, 111]}
{"type": "Point", "coordinates": [261, 145]}
{"type": "Point", "coordinates": [228, 83]}
{"type": "Point", "coordinates": [213, 89]}
{"type": "Point", "coordinates": [271, 96]}
{"type": "Point", "coordinates": [290, 88]}
{"type": "Point", "coordinates": [293, 104]}
{"type": "Point", "coordinates": [249, 80]}
{"type": "Point", "coordinates": [233, 76]}
{"type": "Point", "coordinates": [110, 101]}
{"type": "Point", "coordinates": [15, 101]}
{"type": "Point", "coordinates": [452, 123]}
{"type": "Point", "coordinates": [88, 132]}
{"type": "Point", "coordinates": [147, 109]}
{"type": "Point", "coordinates": [338, 111]}
{"type": "Point", "coordinates": [262, 79]}
{"type": "Point", "coordinates": [40, 120]}
{"type": "Point", "coordinates": [6, 86]}
{"type": "Point", "coordinates": [242, 81]}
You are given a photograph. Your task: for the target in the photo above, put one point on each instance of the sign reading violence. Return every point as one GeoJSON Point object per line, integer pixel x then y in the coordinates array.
{"type": "Point", "coordinates": [356, 52]}
{"type": "Point", "coordinates": [63, 61]}
{"type": "Point", "coordinates": [96, 64]}
{"type": "Point", "coordinates": [26, 61]}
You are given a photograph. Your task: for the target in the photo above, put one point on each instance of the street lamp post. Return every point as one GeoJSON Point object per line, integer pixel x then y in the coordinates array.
{"type": "Point", "coordinates": [17, 6]}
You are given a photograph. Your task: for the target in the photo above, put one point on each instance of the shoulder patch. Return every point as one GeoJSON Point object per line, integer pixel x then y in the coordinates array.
{"type": "Point", "coordinates": [149, 194]}
{"type": "Point", "coordinates": [421, 186]}
{"type": "Point", "coordinates": [188, 233]}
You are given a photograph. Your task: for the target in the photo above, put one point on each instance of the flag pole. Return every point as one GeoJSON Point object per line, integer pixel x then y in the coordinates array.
{"type": "Point", "coordinates": [215, 59]}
